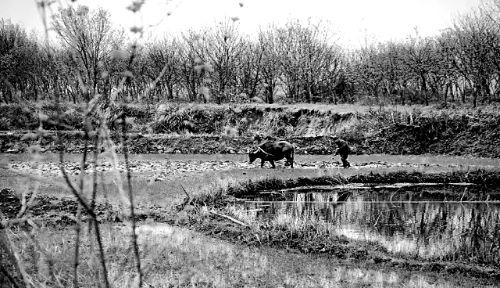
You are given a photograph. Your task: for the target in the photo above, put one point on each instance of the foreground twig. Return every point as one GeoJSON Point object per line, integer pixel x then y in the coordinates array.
{"type": "Point", "coordinates": [76, 259]}
{"type": "Point", "coordinates": [9, 256]}
{"type": "Point", "coordinates": [73, 190]}
{"type": "Point", "coordinates": [25, 205]}
{"type": "Point", "coordinates": [101, 252]}
{"type": "Point", "coordinates": [135, 246]}
{"type": "Point", "coordinates": [187, 200]}
{"type": "Point", "coordinates": [229, 218]}
{"type": "Point", "coordinates": [94, 173]}
{"type": "Point", "coordinates": [87, 208]}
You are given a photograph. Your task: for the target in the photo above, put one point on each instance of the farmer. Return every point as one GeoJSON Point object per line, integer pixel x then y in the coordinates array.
{"type": "Point", "coordinates": [343, 150]}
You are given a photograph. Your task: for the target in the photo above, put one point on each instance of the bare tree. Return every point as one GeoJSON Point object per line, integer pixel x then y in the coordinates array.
{"type": "Point", "coordinates": [368, 76]}
{"type": "Point", "coordinates": [249, 70]}
{"type": "Point", "coordinates": [87, 36]}
{"type": "Point", "coordinates": [476, 40]}
{"type": "Point", "coordinates": [270, 62]}
{"type": "Point", "coordinates": [19, 56]}
{"type": "Point", "coordinates": [305, 54]}
{"type": "Point", "coordinates": [222, 47]}
{"type": "Point", "coordinates": [164, 60]}
{"type": "Point", "coordinates": [419, 61]}
{"type": "Point", "coordinates": [192, 70]}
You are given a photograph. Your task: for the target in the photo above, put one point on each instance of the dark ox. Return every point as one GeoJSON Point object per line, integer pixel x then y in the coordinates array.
{"type": "Point", "coordinates": [272, 151]}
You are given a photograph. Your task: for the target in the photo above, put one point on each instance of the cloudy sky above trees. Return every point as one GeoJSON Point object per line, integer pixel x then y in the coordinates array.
{"type": "Point", "coordinates": [354, 22]}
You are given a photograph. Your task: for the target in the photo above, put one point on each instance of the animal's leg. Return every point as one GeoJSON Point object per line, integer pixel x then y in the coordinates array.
{"type": "Point", "coordinates": [262, 161]}
{"type": "Point", "coordinates": [272, 163]}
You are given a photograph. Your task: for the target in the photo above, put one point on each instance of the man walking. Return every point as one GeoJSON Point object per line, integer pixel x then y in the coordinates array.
{"type": "Point", "coordinates": [343, 150]}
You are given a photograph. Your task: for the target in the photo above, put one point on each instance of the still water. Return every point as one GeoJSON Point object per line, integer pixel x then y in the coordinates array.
{"type": "Point", "coordinates": [428, 221]}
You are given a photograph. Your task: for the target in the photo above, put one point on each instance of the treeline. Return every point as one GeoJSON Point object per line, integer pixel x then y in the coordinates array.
{"type": "Point", "coordinates": [295, 62]}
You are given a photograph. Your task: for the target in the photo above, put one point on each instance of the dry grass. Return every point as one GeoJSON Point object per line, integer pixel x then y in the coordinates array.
{"type": "Point", "coordinates": [175, 257]}
{"type": "Point", "coordinates": [339, 108]}
{"type": "Point", "coordinates": [400, 245]}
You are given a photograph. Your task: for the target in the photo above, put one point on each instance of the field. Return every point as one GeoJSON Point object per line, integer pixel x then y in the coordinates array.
{"type": "Point", "coordinates": [195, 247]}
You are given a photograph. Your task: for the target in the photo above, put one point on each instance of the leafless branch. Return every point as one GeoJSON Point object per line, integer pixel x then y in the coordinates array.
{"type": "Point", "coordinates": [229, 218]}
{"type": "Point", "coordinates": [135, 246]}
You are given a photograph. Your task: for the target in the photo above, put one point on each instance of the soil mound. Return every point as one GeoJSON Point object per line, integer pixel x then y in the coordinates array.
{"type": "Point", "coordinates": [10, 204]}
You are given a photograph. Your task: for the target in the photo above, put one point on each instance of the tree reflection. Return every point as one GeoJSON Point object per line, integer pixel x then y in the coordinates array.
{"type": "Point", "coordinates": [413, 225]}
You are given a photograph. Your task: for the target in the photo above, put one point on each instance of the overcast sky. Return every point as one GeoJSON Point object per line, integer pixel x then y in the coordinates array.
{"type": "Point", "coordinates": [353, 21]}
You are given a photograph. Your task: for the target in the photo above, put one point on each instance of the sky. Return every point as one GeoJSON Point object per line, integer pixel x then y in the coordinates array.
{"type": "Point", "coordinates": [353, 23]}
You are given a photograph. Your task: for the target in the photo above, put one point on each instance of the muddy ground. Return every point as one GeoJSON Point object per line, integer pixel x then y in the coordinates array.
{"type": "Point", "coordinates": [163, 166]}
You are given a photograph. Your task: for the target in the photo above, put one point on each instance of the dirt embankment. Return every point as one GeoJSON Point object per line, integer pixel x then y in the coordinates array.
{"type": "Point", "coordinates": [229, 129]}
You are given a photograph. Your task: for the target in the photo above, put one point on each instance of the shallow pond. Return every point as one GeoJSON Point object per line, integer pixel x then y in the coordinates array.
{"type": "Point", "coordinates": [428, 221]}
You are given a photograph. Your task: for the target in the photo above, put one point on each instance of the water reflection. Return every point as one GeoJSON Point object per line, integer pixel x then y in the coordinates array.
{"type": "Point", "coordinates": [416, 222]}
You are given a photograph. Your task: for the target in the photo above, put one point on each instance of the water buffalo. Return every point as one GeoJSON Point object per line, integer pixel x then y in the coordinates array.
{"type": "Point", "coordinates": [272, 151]}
